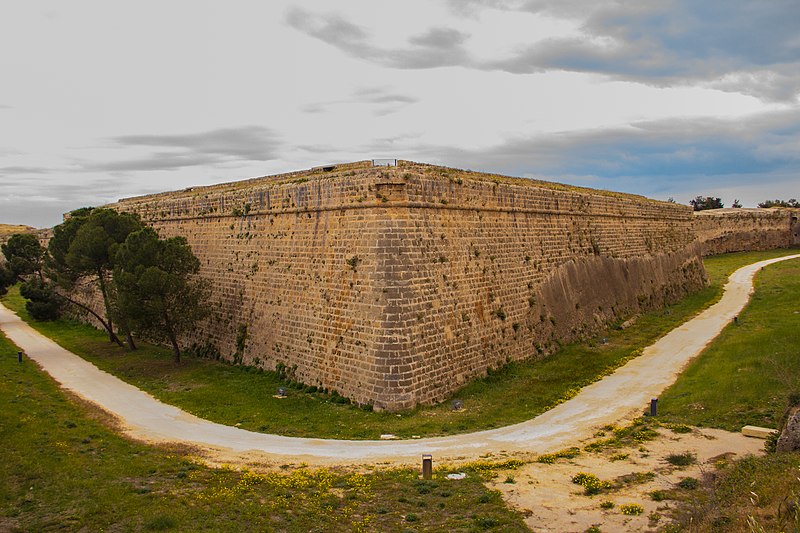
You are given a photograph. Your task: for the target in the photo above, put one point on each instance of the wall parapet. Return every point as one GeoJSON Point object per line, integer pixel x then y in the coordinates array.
{"type": "Point", "coordinates": [397, 285]}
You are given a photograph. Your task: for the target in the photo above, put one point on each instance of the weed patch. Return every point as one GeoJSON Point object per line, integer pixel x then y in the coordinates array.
{"type": "Point", "coordinates": [64, 469]}
{"type": "Point", "coordinates": [681, 459]}
{"type": "Point", "coordinates": [550, 458]}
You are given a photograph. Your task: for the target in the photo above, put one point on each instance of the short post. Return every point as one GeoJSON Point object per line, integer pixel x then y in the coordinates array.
{"type": "Point", "coordinates": [736, 320]}
{"type": "Point", "coordinates": [19, 357]}
{"type": "Point", "coordinates": [427, 466]}
{"type": "Point", "coordinates": [653, 406]}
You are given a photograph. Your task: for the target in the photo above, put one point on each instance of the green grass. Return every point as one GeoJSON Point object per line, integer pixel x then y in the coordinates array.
{"type": "Point", "coordinates": [63, 469]}
{"type": "Point", "coordinates": [746, 375]}
{"type": "Point", "coordinates": [517, 392]}
{"type": "Point", "coordinates": [752, 494]}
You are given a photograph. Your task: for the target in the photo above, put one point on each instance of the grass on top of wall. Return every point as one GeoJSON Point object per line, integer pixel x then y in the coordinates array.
{"type": "Point", "coordinates": [239, 395]}
{"type": "Point", "coordinates": [64, 469]}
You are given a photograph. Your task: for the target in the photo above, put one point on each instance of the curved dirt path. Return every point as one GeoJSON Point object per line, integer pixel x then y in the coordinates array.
{"type": "Point", "coordinates": [621, 396]}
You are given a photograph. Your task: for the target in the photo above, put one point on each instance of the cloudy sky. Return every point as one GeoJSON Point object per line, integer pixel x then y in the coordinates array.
{"type": "Point", "coordinates": [670, 98]}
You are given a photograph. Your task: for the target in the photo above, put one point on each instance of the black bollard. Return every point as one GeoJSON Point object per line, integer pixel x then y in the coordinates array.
{"type": "Point", "coordinates": [19, 357]}
{"type": "Point", "coordinates": [427, 466]}
{"type": "Point", "coordinates": [653, 406]}
{"type": "Point", "coordinates": [736, 320]}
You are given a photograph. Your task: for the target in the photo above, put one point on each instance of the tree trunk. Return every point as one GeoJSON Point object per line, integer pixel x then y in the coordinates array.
{"type": "Point", "coordinates": [111, 335]}
{"type": "Point", "coordinates": [123, 324]}
{"type": "Point", "coordinates": [104, 291]}
{"type": "Point", "coordinates": [176, 351]}
{"type": "Point", "coordinates": [129, 340]}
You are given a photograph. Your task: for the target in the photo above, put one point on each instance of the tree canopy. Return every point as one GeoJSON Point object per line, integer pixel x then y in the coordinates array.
{"type": "Point", "coordinates": [6, 278]}
{"type": "Point", "coordinates": [780, 203]}
{"type": "Point", "coordinates": [24, 258]}
{"type": "Point", "coordinates": [157, 288]}
{"type": "Point", "coordinates": [24, 255]}
{"type": "Point", "coordinates": [148, 285]}
{"type": "Point", "coordinates": [701, 203]}
{"type": "Point", "coordinates": [83, 247]}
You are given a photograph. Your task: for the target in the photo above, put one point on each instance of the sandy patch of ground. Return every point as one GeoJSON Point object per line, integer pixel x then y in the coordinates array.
{"type": "Point", "coordinates": [549, 499]}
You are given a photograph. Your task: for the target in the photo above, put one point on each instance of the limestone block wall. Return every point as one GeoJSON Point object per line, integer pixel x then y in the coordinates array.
{"type": "Point", "coordinates": [395, 286]}
{"type": "Point", "coordinates": [722, 231]}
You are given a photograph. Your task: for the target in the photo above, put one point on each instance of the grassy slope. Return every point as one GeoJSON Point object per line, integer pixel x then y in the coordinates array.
{"type": "Point", "coordinates": [515, 393]}
{"type": "Point", "coordinates": [64, 469]}
{"type": "Point", "coordinates": [745, 377]}
{"type": "Point", "coordinates": [756, 494]}
{"type": "Point", "coordinates": [747, 374]}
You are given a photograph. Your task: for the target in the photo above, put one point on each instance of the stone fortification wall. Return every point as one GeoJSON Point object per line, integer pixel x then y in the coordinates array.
{"type": "Point", "coordinates": [394, 286]}
{"type": "Point", "coordinates": [722, 231]}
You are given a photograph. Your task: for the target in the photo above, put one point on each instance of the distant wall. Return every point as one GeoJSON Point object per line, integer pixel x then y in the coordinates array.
{"type": "Point", "coordinates": [722, 231]}
{"type": "Point", "coordinates": [395, 286]}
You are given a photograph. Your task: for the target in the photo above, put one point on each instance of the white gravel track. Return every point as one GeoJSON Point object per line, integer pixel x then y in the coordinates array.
{"type": "Point", "coordinates": [618, 397]}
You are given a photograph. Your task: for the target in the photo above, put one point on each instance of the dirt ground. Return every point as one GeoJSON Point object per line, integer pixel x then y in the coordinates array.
{"type": "Point", "coordinates": [549, 499]}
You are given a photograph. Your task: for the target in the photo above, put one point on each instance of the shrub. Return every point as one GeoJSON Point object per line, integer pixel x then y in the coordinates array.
{"type": "Point", "coordinates": [160, 523]}
{"type": "Point", "coordinates": [353, 262]}
{"type": "Point", "coordinates": [591, 484]}
{"type": "Point", "coordinates": [631, 509]}
{"type": "Point", "coordinates": [688, 483]}
{"type": "Point", "coordinates": [486, 522]}
{"type": "Point", "coordinates": [771, 442]}
{"type": "Point", "coordinates": [682, 459]}
{"type": "Point", "coordinates": [550, 458]}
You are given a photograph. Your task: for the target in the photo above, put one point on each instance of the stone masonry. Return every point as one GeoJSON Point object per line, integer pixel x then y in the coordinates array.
{"type": "Point", "coordinates": [395, 286]}
{"type": "Point", "coordinates": [722, 231]}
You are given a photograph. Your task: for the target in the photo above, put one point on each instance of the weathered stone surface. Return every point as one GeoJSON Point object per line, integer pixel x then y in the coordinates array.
{"type": "Point", "coordinates": [721, 231]}
{"type": "Point", "coordinates": [789, 441]}
{"type": "Point", "coordinates": [395, 286]}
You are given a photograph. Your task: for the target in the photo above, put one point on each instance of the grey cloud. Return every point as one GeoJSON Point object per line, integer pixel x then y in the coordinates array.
{"type": "Point", "coordinates": [333, 30]}
{"type": "Point", "coordinates": [744, 47]}
{"type": "Point", "coordinates": [13, 170]}
{"type": "Point", "coordinates": [378, 95]}
{"type": "Point", "coordinates": [255, 143]}
{"type": "Point", "coordinates": [439, 38]}
{"type": "Point", "coordinates": [670, 157]}
{"type": "Point", "coordinates": [247, 143]}
{"type": "Point", "coordinates": [383, 100]}
{"type": "Point", "coordinates": [156, 161]}
{"type": "Point", "coordinates": [749, 47]}
{"type": "Point", "coordinates": [318, 148]}
{"type": "Point", "coordinates": [437, 47]}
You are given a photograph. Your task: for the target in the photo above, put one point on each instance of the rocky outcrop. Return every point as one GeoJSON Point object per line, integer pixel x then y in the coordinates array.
{"type": "Point", "coordinates": [789, 440]}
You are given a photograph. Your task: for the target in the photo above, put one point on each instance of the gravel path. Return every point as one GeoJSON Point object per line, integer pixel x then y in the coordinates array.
{"type": "Point", "coordinates": [618, 397]}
